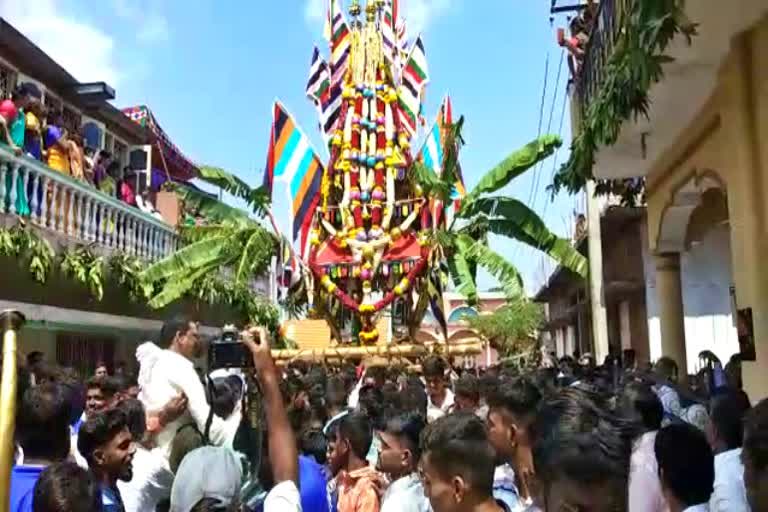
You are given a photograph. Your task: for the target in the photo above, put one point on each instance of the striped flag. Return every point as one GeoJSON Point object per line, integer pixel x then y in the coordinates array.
{"type": "Point", "coordinates": [446, 117]}
{"type": "Point", "coordinates": [388, 30]}
{"type": "Point", "coordinates": [292, 160]}
{"type": "Point", "coordinates": [415, 77]}
{"type": "Point", "coordinates": [432, 150]}
{"type": "Point", "coordinates": [340, 40]}
{"type": "Point", "coordinates": [319, 77]}
{"type": "Point", "coordinates": [330, 109]}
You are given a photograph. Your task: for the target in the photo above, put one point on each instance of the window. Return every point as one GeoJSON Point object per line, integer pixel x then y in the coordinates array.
{"type": "Point", "coordinates": [83, 351]}
{"type": "Point", "coordinates": [93, 134]}
{"type": "Point", "coordinates": [7, 81]}
{"type": "Point", "coordinates": [120, 153]}
{"type": "Point", "coordinates": [52, 103]}
{"type": "Point", "coordinates": [72, 119]}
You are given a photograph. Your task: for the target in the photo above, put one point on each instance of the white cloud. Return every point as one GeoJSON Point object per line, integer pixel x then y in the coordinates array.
{"type": "Point", "coordinates": [82, 49]}
{"type": "Point", "coordinates": [417, 13]}
{"type": "Point", "coordinates": [153, 26]}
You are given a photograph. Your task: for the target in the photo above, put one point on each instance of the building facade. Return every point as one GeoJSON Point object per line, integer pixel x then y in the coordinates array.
{"type": "Point", "coordinates": [704, 156]}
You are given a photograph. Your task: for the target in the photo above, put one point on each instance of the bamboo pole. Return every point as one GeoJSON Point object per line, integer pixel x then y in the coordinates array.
{"type": "Point", "coordinates": [10, 321]}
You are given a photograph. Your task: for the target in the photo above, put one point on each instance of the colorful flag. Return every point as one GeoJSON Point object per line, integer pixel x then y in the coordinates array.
{"type": "Point", "coordinates": [319, 77]}
{"type": "Point", "coordinates": [415, 77]}
{"type": "Point", "coordinates": [388, 30]}
{"type": "Point", "coordinates": [330, 108]}
{"type": "Point", "coordinates": [340, 41]}
{"type": "Point", "coordinates": [446, 117]}
{"type": "Point", "coordinates": [292, 160]}
{"type": "Point", "coordinates": [432, 150]}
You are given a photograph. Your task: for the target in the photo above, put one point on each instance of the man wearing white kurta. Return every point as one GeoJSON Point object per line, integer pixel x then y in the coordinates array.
{"type": "Point", "coordinates": [163, 374]}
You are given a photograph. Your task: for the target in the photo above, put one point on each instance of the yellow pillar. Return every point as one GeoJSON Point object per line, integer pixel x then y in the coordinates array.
{"type": "Point", "coordinates": [669, 293]}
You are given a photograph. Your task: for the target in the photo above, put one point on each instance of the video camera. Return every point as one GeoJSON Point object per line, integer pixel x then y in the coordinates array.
{"type": "Point", "coordinates": [228, 351]}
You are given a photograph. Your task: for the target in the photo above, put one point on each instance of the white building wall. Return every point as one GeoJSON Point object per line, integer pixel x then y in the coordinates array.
{"type": "Point", "coordinates": [706, 282]}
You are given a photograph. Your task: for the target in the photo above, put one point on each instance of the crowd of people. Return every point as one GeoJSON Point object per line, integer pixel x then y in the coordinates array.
{"type": "Point", "coordinates": [28, 128]}
{"type": "Point", "coordinates": [569, 437]}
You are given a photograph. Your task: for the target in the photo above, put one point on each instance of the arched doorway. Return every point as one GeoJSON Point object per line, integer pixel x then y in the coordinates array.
{"type": "Point", "coordinates": [694, 248]}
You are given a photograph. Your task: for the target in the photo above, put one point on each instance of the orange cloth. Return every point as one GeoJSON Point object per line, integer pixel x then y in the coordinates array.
{"type": "Point", "coordinates": [358, 490]}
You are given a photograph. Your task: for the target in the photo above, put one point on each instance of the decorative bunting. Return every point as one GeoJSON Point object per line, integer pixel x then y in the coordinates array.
{"type": "Point", "coordinates": [415, 77]}
{"type": "Point", "coordinates": [291, 159]}
{"type": "Point", "coordinates": [319, 78]}
{"type": "Point", "coordinates": [340, 41]}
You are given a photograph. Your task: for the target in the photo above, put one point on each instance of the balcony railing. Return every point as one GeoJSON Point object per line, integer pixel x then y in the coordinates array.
{"type": "Point", "coordinates": [602, 40]}
{"type": "Point", "coordinates": [72, 208]}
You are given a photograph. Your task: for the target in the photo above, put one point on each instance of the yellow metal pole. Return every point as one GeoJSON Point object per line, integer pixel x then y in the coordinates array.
{"type": "Point", "coordinates": [10, 322]}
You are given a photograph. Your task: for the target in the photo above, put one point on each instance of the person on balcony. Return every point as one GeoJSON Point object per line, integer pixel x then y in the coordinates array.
{"type": "Point", "coordinates": [56, 143]}
{"type": "Point", "coordinates": [76, 157]}
{"type": "Point", "coordinates": [124, 188]}
{"type": "Point", "coordinates": [33, 135]}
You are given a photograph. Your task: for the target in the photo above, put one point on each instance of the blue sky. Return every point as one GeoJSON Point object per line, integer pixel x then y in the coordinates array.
{"type": "Point", "coordinates": [210, 71]}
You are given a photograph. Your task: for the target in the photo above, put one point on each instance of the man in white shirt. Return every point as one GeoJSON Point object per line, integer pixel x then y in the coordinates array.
{"type": "Point", "coordinates": [163, 375]}
{"type": "Point", "coordinates": [725, 435]}
{"type": "Point", "coordinates": [686, 467]}
{"type": "Point", "coordinates": [441, 398]}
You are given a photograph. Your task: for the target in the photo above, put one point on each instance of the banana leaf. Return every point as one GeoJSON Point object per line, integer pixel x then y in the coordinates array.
{"type": "Point", "coordinates": [512, 218]}
{"type": "Point", "coordinates": [504, 271]}
{"type": "Point", "coordinates": [514, 165]}
{"type": "Point", "coordinates": [211, 251]}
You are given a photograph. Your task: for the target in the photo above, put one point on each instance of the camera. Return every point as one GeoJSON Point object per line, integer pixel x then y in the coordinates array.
{"type": "Point", "coordinates": [228, 351]}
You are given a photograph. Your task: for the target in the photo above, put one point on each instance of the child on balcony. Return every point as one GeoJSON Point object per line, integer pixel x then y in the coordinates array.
{"type": "Point", "coordinates": [33, 135]}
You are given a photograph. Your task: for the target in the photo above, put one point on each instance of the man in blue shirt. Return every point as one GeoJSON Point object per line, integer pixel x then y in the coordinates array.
{"type": "Point", "coordinates": [107, 445]}
{"type": "Point", "coordinates": [42, 428]}
{"type": "Point", "coordinates": [313, 487]}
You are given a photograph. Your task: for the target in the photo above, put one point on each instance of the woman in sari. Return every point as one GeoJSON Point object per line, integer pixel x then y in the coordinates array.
{"type": "Point", "coordinates": [56, 143]}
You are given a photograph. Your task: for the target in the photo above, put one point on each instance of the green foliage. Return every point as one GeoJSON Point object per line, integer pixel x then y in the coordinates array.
{"type": "Point", "coordinates": [91, 270]}
{"type": "Point", "coordinates": [636, 63]}
{"type": "Point", "coordinates": [464, 244]}
{"type": "Point", "coordinates": [514, 165]}
{"type": "Point", "coordinates": [511, 328]}
{"type": "Point", "coordinates": [86, 268]}
{"type": "Point", "coordinates": [257, 198]}
{"type": "Point", "coordinates": [31, 249]}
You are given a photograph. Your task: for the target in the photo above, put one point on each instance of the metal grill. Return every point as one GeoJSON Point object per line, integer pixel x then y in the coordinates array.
{"type": "Point", "coordinates": [7, 81]}
{"type": "Point", "coordinates": [72, 120]}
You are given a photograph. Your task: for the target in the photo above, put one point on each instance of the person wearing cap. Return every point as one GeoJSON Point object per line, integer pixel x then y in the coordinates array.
{"type": "Point", "coordinates": [218, 486]}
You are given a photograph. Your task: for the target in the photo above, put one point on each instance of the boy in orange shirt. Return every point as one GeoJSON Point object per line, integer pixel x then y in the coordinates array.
{"type": "Point", "coordinates": [349, 440]}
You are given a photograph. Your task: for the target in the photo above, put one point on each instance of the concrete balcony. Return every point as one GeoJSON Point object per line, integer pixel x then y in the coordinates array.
{"type": "Point", "coordinates": [688, 84]}
{"type": "Point", "coordinates": [74, 211]}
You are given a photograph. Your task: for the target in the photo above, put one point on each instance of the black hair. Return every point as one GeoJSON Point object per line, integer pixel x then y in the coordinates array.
{"type": "Point", "coordinates": [124, 382]}
{"type": "Point", "coordinates": [314, 444]}
{"type": "Point", "coordinates": [109, 386]}
{"type": "Point", "coordinates": [371, 403]}
{"type": "Point", "coordinates": [172, 326]}
{"type": "Point", "coordinates": [519, 397]}
{"type": "Point", "coordinates": [457, 444]}
{"type": "Point", "coordinates": [414, 398]}
{"type": "Point", "coordinates": [224, 397]}
{"type": "Point", "coordinates": [487, 383]}
{"type": "Point", "coordinates": [686, 463]}
{"type": "Point", "coordinates": [355, 427]}
{"type": "Point", "coordinates": [667, 367]}
{"type": "Point", "coordinates": [727, 411]}
{"type": "Point", "coordinates": [135, 416]}
{"type": "Point", "coordinates": [34, 358]}
{"type": "Point", "coordinates": [434, 366]}
{"type": "Point", "coordinates": [639, 401]}
{"type": "Point", "coordinates": [66, 487]}
{"type": "Point", "coordinates": [42, 425]}
{"type": "Point", "coordinates": [756, 436]}
{"type": "Point", "coordinates": [575, 438]}
{"type": "Point", "coordinates": [408, 426]}
{"type": "Point", "coordinates": [99, 430]}
{"type": "Point", "coordinates": [467, 387]}
{"type": "Point", "coordinates": [336, 392]}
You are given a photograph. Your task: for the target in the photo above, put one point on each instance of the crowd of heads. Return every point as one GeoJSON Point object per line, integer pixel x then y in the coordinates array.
{"type": "Point", "coordinates": [568, 432]}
